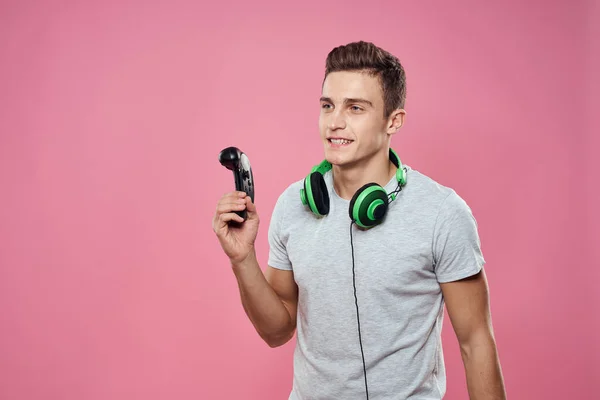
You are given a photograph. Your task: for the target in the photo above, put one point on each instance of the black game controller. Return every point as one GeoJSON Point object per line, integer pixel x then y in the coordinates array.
{"type": "Point", "coordinates": [235, 160]}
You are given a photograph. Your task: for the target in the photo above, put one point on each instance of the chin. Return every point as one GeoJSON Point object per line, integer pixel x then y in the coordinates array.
{"type": "Point", "coordinates": [335, 158]}
{"type": "Point", "coordinates": [339, 156]}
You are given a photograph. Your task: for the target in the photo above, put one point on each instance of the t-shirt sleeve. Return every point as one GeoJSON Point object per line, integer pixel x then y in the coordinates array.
{"type": "Point", "coordinates": [278, 256]}
{"type": "Point", "coordinates": [456, 244]}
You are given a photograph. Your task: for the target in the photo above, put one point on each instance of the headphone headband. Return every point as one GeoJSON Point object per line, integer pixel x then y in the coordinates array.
{"type": "Point", "coordinates": [322, 168]}
{"type": "Point", "coordinates": [400, 172]}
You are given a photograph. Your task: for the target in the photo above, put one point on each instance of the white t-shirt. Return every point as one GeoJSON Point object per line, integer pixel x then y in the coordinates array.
{"type": "Point", "coordinates": [429, 236]}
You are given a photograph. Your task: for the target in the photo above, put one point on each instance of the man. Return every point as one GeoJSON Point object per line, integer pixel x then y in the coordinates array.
{"type": "Point", "coordinates": [366, 302]}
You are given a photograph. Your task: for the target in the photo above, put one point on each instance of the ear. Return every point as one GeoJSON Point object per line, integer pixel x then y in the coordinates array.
{"type": "Point", "coordinates": [396, 120]}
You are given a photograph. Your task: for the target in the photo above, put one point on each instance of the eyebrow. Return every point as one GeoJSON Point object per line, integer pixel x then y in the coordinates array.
{"type": "Point", "coordinates": [351, 100]}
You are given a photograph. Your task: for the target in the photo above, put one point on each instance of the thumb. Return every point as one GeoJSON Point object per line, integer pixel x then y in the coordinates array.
{"type": "Point", "coordinates": [250, 206]}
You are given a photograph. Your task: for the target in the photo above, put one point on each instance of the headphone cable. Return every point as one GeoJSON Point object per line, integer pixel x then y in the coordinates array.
{"type": "Point", "coordinates": [357, 314]}
{"type": "Point", "coordinates": [393, 197]}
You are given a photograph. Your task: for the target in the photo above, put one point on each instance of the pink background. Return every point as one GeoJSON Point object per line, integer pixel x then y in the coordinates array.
{"type": "Point", "coordinates": [112, 283]}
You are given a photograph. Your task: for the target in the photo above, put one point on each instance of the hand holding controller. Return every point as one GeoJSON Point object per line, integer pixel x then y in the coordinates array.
{"type": "Point", "coordinates": [235, 160]}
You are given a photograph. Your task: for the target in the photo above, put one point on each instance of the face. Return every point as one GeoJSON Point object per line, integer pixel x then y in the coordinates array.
{"type": "Point", "coordinates": [352, 123]}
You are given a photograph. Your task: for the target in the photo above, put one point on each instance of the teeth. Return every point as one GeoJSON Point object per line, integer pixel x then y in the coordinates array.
{"type": "Point", "coordinates": [340, 141]}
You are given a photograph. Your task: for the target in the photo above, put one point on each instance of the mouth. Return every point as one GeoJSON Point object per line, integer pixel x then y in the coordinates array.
{"type": "Point", "coordinates": [336, 142]}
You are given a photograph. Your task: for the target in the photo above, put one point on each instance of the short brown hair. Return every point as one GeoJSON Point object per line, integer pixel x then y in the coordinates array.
{"type": "Point", "coordinates": [365, 56]}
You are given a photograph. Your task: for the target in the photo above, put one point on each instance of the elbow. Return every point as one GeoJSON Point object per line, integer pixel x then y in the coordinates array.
{"type": "Point", "coordinates": [276, 343]}
{"type": "Point", "coordinates": [277, 340]}
{"type": "Point", "coordinates": [482, 343]}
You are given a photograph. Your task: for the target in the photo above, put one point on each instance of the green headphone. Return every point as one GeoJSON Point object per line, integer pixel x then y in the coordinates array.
{"type": "Point", "coordinates": [368, 205]}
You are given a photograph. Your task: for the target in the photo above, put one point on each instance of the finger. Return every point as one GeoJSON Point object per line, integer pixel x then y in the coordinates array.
{"type": "Point", "coordinates": [251, 208]}
{"type": "Point", "coordinates": [250, 205]}
{"type": "Point", "coordinates": [226, 207]}
{"type": "Point", "coordinates": [233, 195]}
{"type": "Point", "coordinates": [238, 194]}
{"type": "Point", "coordinates": [227, 217]}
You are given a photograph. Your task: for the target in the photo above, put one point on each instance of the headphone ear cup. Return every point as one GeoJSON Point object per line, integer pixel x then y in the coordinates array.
{"type": "Point", "coordinates": [317, 195]}
{"type": "Point", "coordinates": [368, 205]}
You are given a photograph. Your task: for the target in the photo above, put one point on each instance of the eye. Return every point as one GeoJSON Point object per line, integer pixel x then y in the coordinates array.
{"type": "Point", "coordinates": [325, 105]}
{"type": "Point", "coordinates": [356, 108]}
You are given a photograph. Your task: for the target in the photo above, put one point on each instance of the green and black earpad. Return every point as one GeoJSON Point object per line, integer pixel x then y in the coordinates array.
{"type": "Point", "coordinates": [369, 204]}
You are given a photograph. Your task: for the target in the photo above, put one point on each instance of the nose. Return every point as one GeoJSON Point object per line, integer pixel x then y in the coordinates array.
{"type": "Point", "coordinates": [336, 120]}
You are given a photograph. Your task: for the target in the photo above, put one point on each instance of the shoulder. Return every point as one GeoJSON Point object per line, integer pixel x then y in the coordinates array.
{"type": "Point", "coordinates": [425, 190]}
{"type": "Point", "coordinates": [438, 198]}
{"type": "Point", "coordinates": [290, 195]}
{"type": "Point", "coordinates": [288, 203]}
{"type": "Point", "coordinates": [424, 185]}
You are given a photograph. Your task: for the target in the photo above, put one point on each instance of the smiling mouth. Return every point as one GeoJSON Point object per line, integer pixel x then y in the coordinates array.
{"type": "Point", "coordinates": [340, 142]}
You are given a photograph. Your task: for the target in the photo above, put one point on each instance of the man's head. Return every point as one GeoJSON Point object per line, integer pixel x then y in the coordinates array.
{"type": "Point", "coordinates": [363, 97]}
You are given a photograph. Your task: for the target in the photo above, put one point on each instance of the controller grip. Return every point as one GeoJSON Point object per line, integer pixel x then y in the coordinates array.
{"type": "Point", "coordinates": [239, 186]}
{"type": "Point", "coordinates": [235, 160]}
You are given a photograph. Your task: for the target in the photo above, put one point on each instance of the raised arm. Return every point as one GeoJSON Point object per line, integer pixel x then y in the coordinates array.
{"type": "Point", "coordinates": [269, 299]}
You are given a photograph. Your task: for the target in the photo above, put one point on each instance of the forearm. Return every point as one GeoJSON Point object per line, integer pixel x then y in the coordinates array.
{"type": "Point", "coordinates": [263, 307]}
{"type": "Point", "coordinates": [482, 368]}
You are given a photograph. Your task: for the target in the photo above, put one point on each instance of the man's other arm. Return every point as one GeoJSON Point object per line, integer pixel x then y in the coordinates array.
{"type": "Point", "coordinates": [467, 302]}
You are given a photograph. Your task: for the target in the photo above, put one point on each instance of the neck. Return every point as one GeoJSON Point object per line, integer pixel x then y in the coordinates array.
{"type": "Point", "coordinates": [348, 179]}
